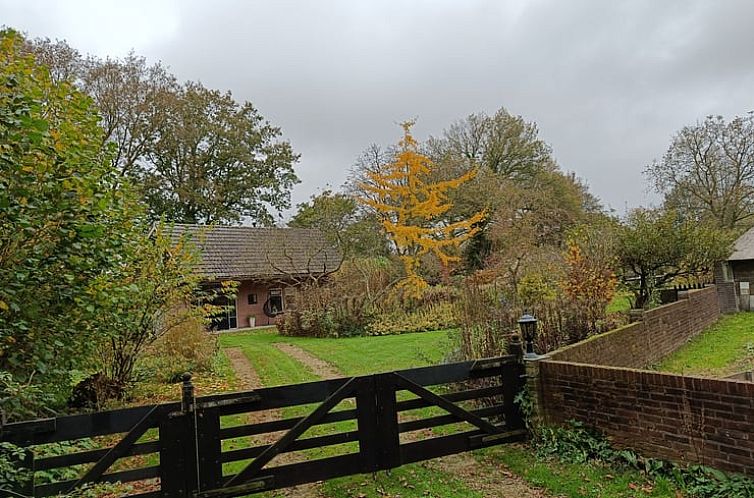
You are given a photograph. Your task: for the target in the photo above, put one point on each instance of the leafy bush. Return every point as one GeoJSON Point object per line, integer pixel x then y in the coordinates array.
{"type": "Point", "coordinates": [20, 401]}
{"type": "Point", "coordinates": [434, 317]}
{"type": "Point", "coordinates": [11, 471]}
{"type": "Point", "coordinates": [187, 347]}
{"type": "Point", "coordinates": [345, 304]}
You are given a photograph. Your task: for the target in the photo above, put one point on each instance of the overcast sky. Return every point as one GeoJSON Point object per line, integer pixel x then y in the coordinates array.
{"type": "Point", "coordinates": [608, 82]}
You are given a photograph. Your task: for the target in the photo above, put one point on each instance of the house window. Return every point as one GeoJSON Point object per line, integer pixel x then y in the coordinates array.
{"type": "Point", "coordinates": [252, 298]}
{"type": "Point", "coordinates": [274, 304]}
{"type": "Point", "coordinates": [227, 318]}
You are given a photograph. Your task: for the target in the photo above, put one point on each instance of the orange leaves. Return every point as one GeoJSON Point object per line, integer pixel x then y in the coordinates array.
{"type": "Point", "coordinates": [411, 205]}
{"type": "Point", "coordinates": [585, 280]}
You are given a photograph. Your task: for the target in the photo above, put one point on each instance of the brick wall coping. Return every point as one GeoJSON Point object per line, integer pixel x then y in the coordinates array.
{"type": "Point", "coordinates": [631, 375]}
{"type": "Point", "coordinates": [594, 338]}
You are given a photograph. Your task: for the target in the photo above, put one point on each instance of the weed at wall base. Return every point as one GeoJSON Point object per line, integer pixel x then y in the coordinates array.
{"type": "Point", "coordinates": [575, 443]}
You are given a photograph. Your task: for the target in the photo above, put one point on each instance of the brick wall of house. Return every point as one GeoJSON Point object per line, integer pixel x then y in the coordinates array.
{"type": "Point", "coordinates": [684, 419]}
{"type": "Point", "coordinates": [244, 309]}
{"type": "Point", "coordinates": [661, 331]}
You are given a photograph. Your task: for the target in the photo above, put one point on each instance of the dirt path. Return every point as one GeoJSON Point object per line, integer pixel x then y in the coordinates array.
{"type": "Point", "coordinates": [246, 375]}
{"type": "Point", "coordinates": [317, 366]}
{"type": "Point", "coordinates": [492, 481]}
{"type": "Point", "coordinates": [248, 378]}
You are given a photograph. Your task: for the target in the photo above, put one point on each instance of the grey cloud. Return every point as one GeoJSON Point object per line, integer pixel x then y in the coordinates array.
{"type": "Point", "coordinates": [608, 83]}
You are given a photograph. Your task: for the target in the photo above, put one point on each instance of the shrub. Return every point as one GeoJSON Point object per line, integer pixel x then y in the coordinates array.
{"type": "Point", "coordinates": [19, 401]}
{"type": "Point", "coordinates": [187, 347]}
{"type": "Point", "coordinates": [434, 317]}
{"type": "Point", "coordinates": [11, 471]}
{"type": "Point", "coordinates": [486, 318]}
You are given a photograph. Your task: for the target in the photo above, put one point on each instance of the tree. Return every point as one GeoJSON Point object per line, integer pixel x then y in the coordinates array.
{"type": "Point", "coordinates": [410, 206]}
{"type": "Point", "coordinates": [154, 290]}
{"type": "Point", "coordinates": [337, 215]}
{"type": "Point", "coordinates": [64, 219]}
{"type": "Point", "coordinates": [196, 154]}
{"type": "Point", "coordinates": [590, 281]}
{"type": "Point", "coordinates": [216, 161]}
{"type": "Point", "coordinates": [518, 179]}
{"type": "Point", "coordinates": [129, 93]}
{"type": "Point", "coordinates": [64, 62]}
{"type": "Point", "coordinates": [505, 144]}
{"type": "Point", "coordinates": [132, 99]}
{"type": "Point", "coordinates": [654, 247]}
{"type": "Point", "coordinates": [708, 172]}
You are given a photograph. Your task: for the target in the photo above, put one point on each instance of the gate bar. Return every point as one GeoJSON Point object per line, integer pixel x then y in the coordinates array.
{"type": "Point", "coordinates": [301, 427]}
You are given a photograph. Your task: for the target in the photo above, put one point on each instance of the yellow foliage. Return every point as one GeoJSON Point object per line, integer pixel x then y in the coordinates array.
{"type": "Point", "coordinates": [410, 206]}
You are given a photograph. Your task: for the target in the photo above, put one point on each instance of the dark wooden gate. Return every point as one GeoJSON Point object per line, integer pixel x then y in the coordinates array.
{"type": "Point", "coordinates": [242, 443]}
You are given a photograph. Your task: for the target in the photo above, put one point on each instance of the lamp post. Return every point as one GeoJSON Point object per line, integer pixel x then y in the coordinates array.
{"type": "Point", "coordinates": [528, 325]}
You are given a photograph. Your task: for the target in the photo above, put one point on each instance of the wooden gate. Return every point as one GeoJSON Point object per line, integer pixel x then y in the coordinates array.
{"type": "Point", "coordinates": [242, 443]}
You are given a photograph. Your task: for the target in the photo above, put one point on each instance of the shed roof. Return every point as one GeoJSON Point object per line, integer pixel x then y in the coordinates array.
{"type": "Point", "coordinates": [242, 252]}
{"type": "Point", "coordinates": [743, 249]}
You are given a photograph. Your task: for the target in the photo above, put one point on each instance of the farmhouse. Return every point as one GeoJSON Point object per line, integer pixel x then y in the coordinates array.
{"type": "Point", "coordinates": [734, 278]}
{"type": "Point", "coordinates": [266, 262]}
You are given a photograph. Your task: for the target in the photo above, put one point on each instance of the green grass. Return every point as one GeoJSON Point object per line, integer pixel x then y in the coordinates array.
{"type": "Point", "coordinates": [408, 481]}
{"type": "Point", "coordinates": [590, 480]}
{"type": "Point", "coordinates": [725, 348]}
{"type": "Point", "coordinates": [621, 302]}
{"type": "Point", "coordinates": [351, 355]}
{"type": "Point", "coordinates": [362, 355]}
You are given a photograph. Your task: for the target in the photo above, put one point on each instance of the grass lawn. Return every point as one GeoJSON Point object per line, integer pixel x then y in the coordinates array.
{"type": "Point", "coordinates": [621, 302]}
{"type": "Point", "coordinates": [575, 480]}
{"type": "Point", "coordinates": [351, 355]}
{"type": "Point", "coordinates": [725, 348]}
{"type": "Point", "coordinates": [361, 355]}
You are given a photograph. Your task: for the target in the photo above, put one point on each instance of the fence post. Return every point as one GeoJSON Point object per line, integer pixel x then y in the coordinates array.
{"type": "Point", "coordinates": [515, 347]}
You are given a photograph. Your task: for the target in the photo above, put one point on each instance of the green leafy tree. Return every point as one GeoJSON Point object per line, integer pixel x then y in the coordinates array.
{"type": "Point", "coordinates": [338, 216]}
{"type": "Point", "coordinates": [196, 154]}
{"type": "Point", "coordinates": [654, 247]}
{"type": "Point", "coordinates": [519, 183]}
{"type": "Point", "coordinates": [64, 218]}
{"type": "Point", "coordinates": [216, 161]}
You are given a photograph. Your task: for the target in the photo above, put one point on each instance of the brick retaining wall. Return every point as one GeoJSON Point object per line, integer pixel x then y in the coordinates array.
{"type": "Point", "coordinates": [641, 344]}
{"type": "Point", "coordinates": [684, 419]}
{"type": "Point", "coordinates": [675, 417]}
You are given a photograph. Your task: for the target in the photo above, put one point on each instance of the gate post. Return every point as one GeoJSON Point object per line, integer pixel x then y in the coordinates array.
{"type": "Point", "coordinates": [537, 415]}
{"type": "Point", "coordinates": [388, 456]}
{"type": "Point", "coordinates": [178, 465]}
{"type": "Point", "coordinates": [514, 384]}
{"type": "Point", "coordinates": [208, 448]}
{"type": "Point", "coordinates": [368, 425]}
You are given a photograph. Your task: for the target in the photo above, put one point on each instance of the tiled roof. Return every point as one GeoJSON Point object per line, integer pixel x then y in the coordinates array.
{"type": "Point", "coordinates": [744, 247]}
{"type": "Point", "coordinates": [241, 252]}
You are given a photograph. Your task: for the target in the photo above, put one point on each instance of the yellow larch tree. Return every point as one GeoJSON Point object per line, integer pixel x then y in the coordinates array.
{"type": "Point", "coordinates": [411, 207]}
